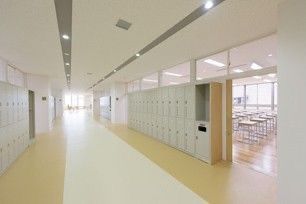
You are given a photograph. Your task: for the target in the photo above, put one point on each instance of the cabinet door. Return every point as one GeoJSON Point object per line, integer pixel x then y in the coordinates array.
{"type": "Point", "coordinates": [160, 128]}
{"type": "Point", "coordinates": [172, 132]}
{"type": "Point", "coordinates": [190, 101]}
{"type": "Point", "coordinates": [165, 101]}
{"type": "Point", "coordinates": [172, 102]}
{"type": "Point", "coordinates": [179, 96]}
{"type": "Point", "coordinates": [180, 130]}
{"type": "Point", "coordinates": [190, 135]}
{"type": "Point", "coordinates": [165, 130]}
{"type": "Point", "coordinates": [159, 102]}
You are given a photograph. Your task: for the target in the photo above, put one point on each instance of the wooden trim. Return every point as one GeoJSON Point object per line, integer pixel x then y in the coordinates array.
{"type": "Point", "coordinates": [229, 124]}
{"type": "Point", "coordinates": [216, 121]}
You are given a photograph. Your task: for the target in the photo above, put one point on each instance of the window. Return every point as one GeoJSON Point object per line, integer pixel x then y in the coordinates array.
{"type": "Point", "coordinates": [212, 66]}
{"type": "Point", "coordinates": [238, 95]}
{"type": "Point", "coordinates": [275, 93]}
{"type": "Point", "coordinates": [149, 82]}
{"type": "Point", "coordinates": [264, 94]}
{"type": "Point", "coordinates": [179, 74]}
{"type": "Point", "coordinates": [255, 55]}
{"type": "Point", "coordinates": [68, 100]}
{"type": "Point", "coordinates": [133, 86]}
{"type": "Point", "coordinates": [251, 94]}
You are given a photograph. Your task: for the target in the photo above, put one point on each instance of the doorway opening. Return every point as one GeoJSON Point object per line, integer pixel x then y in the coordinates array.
{"type": "Point", "coordinates": [31, 115]}
{"type": "Point", "coordinates": [254, 120]}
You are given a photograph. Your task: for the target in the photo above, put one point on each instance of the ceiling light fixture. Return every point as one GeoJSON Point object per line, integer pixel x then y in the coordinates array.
{"type": "Point", "coordinates": [270, 55]}
{"type": "Point", "coordinates": [173, 74]}
{"type": "Point", "coordinates": [272, 75]}
{"type": "Point", "coordinates": [67, 64]}
{"type": "Point", "coordinates": [199, 78]}
{"type": "Point", "coordinates": [115, 70]}
{"type": "Point", "coordinates": [238, 70]}
{"type": "Point", "coordinates": [68, 75]}
{"type": "Point", "coordinates": [173, 83]}
{"type": "Point", "coordinates": [257, 77]}
{"type": "Point", "coordinates": [215, 63]}
{"type": "Point", "coordinates": [256, 66]}
{"type": "Point", "coordinates": [137, 55]}
{"type": "Point", "coordinates": [150, 80]}
{"type": "Point", "coordinates": [208, 5]}
{"type": "Point", "coordinates": [66, 37]}
{"type": "Point", "coordinates": [66, 53]}
{"type": "Point", "coordinates": [267, 80]}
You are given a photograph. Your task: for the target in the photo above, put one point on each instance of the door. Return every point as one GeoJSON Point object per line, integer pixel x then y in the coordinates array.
{"type": "Point", "coordinates": [202, 148]}
{"type": "Point", "coordinates": [180, 133]}
{"type": "Point", "coordinates": [179, 96]}
{"type": "Point", "coordinates": [190, 135]}
{"type": "Point", "coordinates": [31, 114]}
{"type": "Point", "coordinates": [172, 132]}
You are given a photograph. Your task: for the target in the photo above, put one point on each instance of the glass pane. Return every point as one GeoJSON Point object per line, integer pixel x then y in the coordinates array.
{"type": "Point", "coordinates": [251, 94]}
{"type": "Point", "coordinates": [81, 100]}
{"type": "Point", "coordinates": [130, 87]}
{"type": "Point", "coordinates": [275, 93]}
{"type": "Point", "coordinates": [136, 85]}
{"type": "Point", "coordinates": [150, 82]}
{"type": "Point", "coordinates": [255, 55]}
{"type": "Point", "coordinates": [238, 95]}
{"type": "Point", "coordinates": [179, 74]}
{"type": "Point", "coordinates": [264, 94]}
{"type": "Point", "coordinates": [212, 66]}
{"type": "Point", "coordinates": [68, 100]}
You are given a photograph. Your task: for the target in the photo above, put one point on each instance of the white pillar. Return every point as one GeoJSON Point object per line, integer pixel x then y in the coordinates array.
{"type": "Point", "coordinates": [193, 71]}
{"type": "Point", "coordinates": [292, 102]}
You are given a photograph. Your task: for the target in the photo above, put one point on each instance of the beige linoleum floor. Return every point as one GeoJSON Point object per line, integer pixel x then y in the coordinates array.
{"type": "Point", "coordinates": [223, 183]}
{"type": "Point", "coordinates": [38, 175]}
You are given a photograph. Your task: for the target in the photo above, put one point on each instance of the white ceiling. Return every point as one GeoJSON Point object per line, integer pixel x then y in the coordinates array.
{"type": "Point", "coordinates": [29, 36]}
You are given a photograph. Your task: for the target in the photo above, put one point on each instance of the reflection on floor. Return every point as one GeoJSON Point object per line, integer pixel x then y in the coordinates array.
{"type": "Point", "coordinates": [222, 183]}
{"type": "Point", "coordinates": [260, 156]}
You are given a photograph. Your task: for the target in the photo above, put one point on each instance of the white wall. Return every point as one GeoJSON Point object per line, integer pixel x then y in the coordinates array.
{"type": "Point", "coordinates": [41, 87]}
{"type": "Point", "coordinates": [292, 102]}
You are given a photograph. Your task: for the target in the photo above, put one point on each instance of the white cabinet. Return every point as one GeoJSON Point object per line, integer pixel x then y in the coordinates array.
{"type": "Point", "coordinates": [180, 133]}
{"type": "Point", "coordinates": [160, 128]}
{"type": "Point", "coordinates": [190, 102]}
{"type": "Point", "coordinates": [172, 132]}
{"type": "Point", "coordinates": [165, 130]}
{"type": "Point", "coordinates": [202, 149]}
{"type": "Point", "coordinates": [159, 102]}
{"type": "Point", "coordinates": [165, 101]}
{"type": "Point", "coordinates": [172, 102]}
{"type": "Point", "coordinates": [190, 135]}
{"type": "Point", "coordinates": [180, 101]}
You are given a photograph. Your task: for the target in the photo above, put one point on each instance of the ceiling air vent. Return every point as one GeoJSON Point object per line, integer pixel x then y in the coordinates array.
{"type": "Point", "coordinates": [123, 24]}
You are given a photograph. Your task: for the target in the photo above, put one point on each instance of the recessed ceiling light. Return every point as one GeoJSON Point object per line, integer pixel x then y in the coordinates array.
{"type": "Point", "coordinates": [199, 78]}
{"type": "Point", "coordinates": [137, 55]}
{"type": "Point", "coordinates": [68, 74]}
{"type": "Point", "coordinates": [270, 55]}
{"type": "Point", "coordinates": [115, 70]}
{"type": "Point", "coordinates": [208, 5]}
{"type": "Point", "coordinates": [215, 63]}
{"type": "Point", "coordinates": [173, 74]}
{"type": "Point", "coordinates": [66, 53]}
{"type": "Point", "coordinates": [272, 75]}
{"type": "Point", "coordinates": [257, 77]}
{"type": "Point", "coordinates": [267, 80]}
{"type": "Point", "coordinates": [256, 66]}
{"type": "Point", "coordinates": [238, 70]}
{"type": "Point", "coordinates": [67, 64]}
{"type": "Point", "coordinates": [66, 37]}
{"type": "Point", "coordinates": [150, 80]}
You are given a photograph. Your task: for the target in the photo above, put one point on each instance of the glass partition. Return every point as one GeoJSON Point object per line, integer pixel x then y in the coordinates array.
{"type": "Point", "coordinates": [149, 82]}
{"type": "Point", "coordinates": [179, 74]}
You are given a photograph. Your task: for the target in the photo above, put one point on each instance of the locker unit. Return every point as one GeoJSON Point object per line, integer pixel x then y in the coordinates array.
{"type": "Point", "coordinates": [14, 123]}
{"type": "Point", "coordinates": [169, 115]}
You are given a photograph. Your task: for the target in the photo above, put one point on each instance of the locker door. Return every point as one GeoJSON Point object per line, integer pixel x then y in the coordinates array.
{"type": "Point", "coordinates": [148, 124]}
{"type": "Point", "coordinates": [159, 102]}
{"type": "Point", "coordinates": [190, 101]}
{"type": "Point", "coordinates": [179, 96]}
{"type": "Point", "coordinates": [180, 130]}
{"type": "Point", "coordinates": [155, 126]}
{"type": "Point", "coordinates": [165, 130]}
{"type": "Point", "coordinates": [172, 102]}
{"type": "Point", "coordinates": [160, 128]}
{"type": "Point", "coordinates": [165, 101]}
{"type": "Point", "coordinates": [149, 101]}
{"type": "Point", "coordinates": [172, 132]}
{"type": "Point", "coordinates": [190, 135]}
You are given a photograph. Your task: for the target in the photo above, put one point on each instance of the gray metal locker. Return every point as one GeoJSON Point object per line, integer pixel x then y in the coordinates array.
{"type": "Point", "coordinates": [190, 101]}
{"type": "Point", "coordinates": [172, 132]}
{"type": "Point", "coordinates": [160, 127]}
{"type": "Point", "coordinates": [172, 102]}
{"type": "Point", "coordinates": [159, 102]}
{"type": "Point", "coordinates": [165, 101]}
{"type": "Point", "coordinates": [180, 131]}
{"type": "Point", "coordinates": [165, 130]}
{"type": "Point", "coordinates": [190, 135]}
{"type": "Point", "coordinates": [180, 101]}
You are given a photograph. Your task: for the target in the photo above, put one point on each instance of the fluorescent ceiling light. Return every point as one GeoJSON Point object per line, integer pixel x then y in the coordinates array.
{"type": "Point", "coordinates": [66, 37]}
{"type": "Point", "coordinates": [66, 53]}
{"type": "Point", "coordinates": [257, 77]}
{"type": "Point", "coordinates": [137, 55]}
{"type": "Point", "coordinates": [173, 74]}
{"type": "Point", "coordinates": [68, 74]}
{"type": "Point", "coordinates": [115, 70]}
{"type": "Point", "coordinates": [267, 80]}
{"type": "Point", "coordinates": [215, 63]}
{"type": "Point", "coordinates": [272, 75]}
{"type": "Point", "coordinates": [150, 80]}
{"type": "Point", "coordinates": [199, 78]}
{"type": "Point", "coordinates": [173, 83]}
{"type": "Point", "coordinates": [208, 5]}
{"type": "Point", "coordinates": [67, 64]}
{"type": "Point", "coordinates": [238, 70]}
{"type": "Point", "coordinates": [255, 66]}
{"type": "Point", "coordinates": [270, 55]}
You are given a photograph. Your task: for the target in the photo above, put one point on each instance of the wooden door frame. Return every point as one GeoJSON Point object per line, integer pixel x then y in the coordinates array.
{"type": "Point", "coordinates": [229, 124]}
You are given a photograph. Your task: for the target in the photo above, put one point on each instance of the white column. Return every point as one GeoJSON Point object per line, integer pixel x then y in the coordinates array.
{"type": "Point", "coordinates": [193, 71]}
{"type": "Point", "coordinates": [292, 102]}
